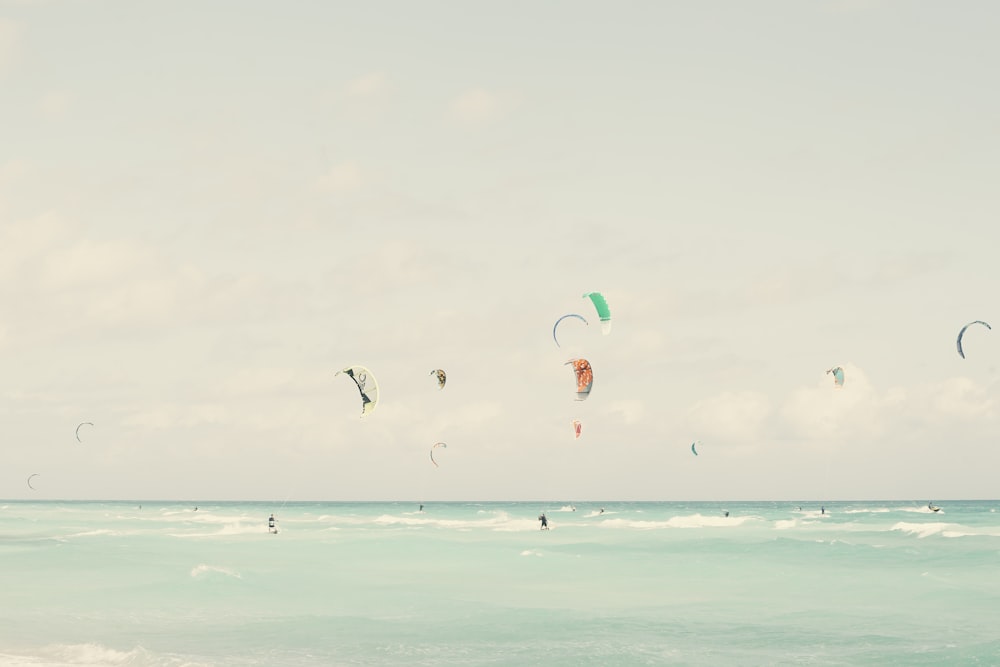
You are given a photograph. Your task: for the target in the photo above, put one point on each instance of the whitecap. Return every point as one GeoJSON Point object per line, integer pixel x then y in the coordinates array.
{"type": "Point", "coordinates": [921, 530]}
{"type": "Point", "coordinates": [202, 569]}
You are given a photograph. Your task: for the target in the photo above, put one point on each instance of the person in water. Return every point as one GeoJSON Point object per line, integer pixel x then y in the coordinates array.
{"type": "Point", "coordinates": [726, 513]}
{"type": "Point", "coordinates": [545, 522]}
{"type": "Point", "coordinates": [421, 509]}
{"type": "Point", "coordinates": [271, 528]}
{"type": "Point", "coordinates": [822, 510]}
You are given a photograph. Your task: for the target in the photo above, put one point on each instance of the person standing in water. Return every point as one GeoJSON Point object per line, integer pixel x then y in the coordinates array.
{"type": "Point", "coordinates": [545, 522]}
{"type": "Point", "coordinates": [271, 528]}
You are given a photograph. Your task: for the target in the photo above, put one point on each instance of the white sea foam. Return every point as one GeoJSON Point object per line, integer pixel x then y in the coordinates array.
{"type": "Point", "coordinates": [100, 531]}
{"type": "Point", "coordinates": [497, 520]}
{"type": "Point", "coordinates": [688, 521]}
{"type": "Point", "coordinates": [951, 530]}
{"type": "Point", "coordinates": [202, 570]}
{"type": "Point", "coordinates": [921, 510]}
{"type": "Point", "coordinates": [93, 655]}
{"type": "Point", "coordinates": [873, 510]}
{"type": "Point", "coordinates": [230, 527]}
{"type": "Point", "coordinates": [920, 529]}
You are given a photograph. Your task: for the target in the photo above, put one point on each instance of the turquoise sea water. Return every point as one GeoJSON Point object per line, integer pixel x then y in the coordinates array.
{"type": "Point", "coordinates": [867, 583]}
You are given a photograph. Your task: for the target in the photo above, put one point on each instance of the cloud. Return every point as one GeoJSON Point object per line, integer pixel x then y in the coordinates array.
{"type": "Point", "coordinates": [961, 398]}
{"type": "Point", "coordinates": [10, 35]}
{"type": "Point", "coordinates": [823, 411]}
{"type": "Point", "coordinates": [23, 243]}
{"type": "Point", "coordinates": [367, 86]}
{"type": "Point", "coordinates": [630, 410]}
{"type": "Point", "coordinates": [343, 177]}
{"type": "Point", "coordinates": [55, 104]}
{"type": "Point", "coordinates": [12, 169]}
{"type": "Point", "coordinates": [88, 262]}
{"type": "Point", "coordinates": [479, 106]}
{"type": "Point", "coordinates": [173, 415]}
{"type": "Point", "coordinates": [732, 416]}
{"type": "Point", "coordinates": [860, 410]}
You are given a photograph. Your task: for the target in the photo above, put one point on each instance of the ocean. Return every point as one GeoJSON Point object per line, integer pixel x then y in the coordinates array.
{"type": "Point", "coordinates": [478, 583]}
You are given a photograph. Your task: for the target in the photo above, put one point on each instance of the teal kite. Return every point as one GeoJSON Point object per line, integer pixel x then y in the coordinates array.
{"type": "Point", "coordinates": [601, 305]}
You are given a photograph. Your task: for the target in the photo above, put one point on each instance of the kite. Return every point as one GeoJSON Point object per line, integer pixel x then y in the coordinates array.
{"type": "Point", "coordinates": [601, 305]}
{"type": "Point", "coordinates": [442, 377]}
{"type": "Point", "coordinates": [577, 427]}
{"type": "Point", "coordinates": [838, 375]}
{"type": "Point", "coordinates": [78, 429]}
{"type": "Point", "coordinates": [436, 445]}
{"type": "Point", "coordinates": [579, 317]}
{"type": "Point", "coordinates": [693, 450]}
{"type": "Point", "coordinates": [584, 377]}
{"type": "Point", "coordinates": [962, 332]}
{"type": "Point", "coordinates": [29, 480]}
{"type": "Point", "coordinates": [367, 386]}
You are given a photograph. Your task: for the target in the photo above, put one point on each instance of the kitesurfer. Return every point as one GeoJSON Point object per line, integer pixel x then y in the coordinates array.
{"type": "Point", "coordinates": [602, 511]}
{"type": "Point", "coordinates": [271, 528]}
{"type": "Point", "coordinates": [726, 513]}
{"type": "Point", "coordinates": [421, 509]}
{"type": "Point", "coordinates": [822, 510]}
{"type": "Point", "coordinates": [545, 522]}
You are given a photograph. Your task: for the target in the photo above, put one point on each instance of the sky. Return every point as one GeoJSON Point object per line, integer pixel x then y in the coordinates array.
{"type": "Point", "coordinates": [208, 209]}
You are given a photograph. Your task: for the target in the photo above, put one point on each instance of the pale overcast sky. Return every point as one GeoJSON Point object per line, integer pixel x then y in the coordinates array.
{"type": "Point", "coordinates": [208, 208]}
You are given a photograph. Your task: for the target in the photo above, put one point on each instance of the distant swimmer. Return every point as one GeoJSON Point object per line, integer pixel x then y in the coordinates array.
{"type": "Point", "coordinates": [271, 528]}
{"type": "Point", "coordinates": [545, 522]}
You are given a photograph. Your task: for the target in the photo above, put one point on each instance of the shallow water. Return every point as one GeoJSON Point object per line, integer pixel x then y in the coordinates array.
{"type": "Point", "coordinates": [866, 583]}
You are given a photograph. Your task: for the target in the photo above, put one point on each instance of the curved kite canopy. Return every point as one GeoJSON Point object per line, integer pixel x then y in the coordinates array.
{"type": "Point", "coordinates": [29, 480]}
{"type": "Point", "coordinates": [435, 446]}
{"type": "Point", "coordinates": [838, 375]}
{"type": "Point", "coordinates": [442, 377]}
{"type": "Point", "coordinates": [962, 333]}
{"type": "Point", "coordinates": [584, 377]}
{"type": "Point", "coordinates": [78, 429]}
{"type": "Point", "coordinates": [693, 450]}
{"type": "Point", "coordinates": [579, 317]}
{"type": "Point", "coordinates": [577, 427]}
{"type": "Point", "coordinates": [601, 305]}
{"type": "Point", "coordinates": [366, 385]}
